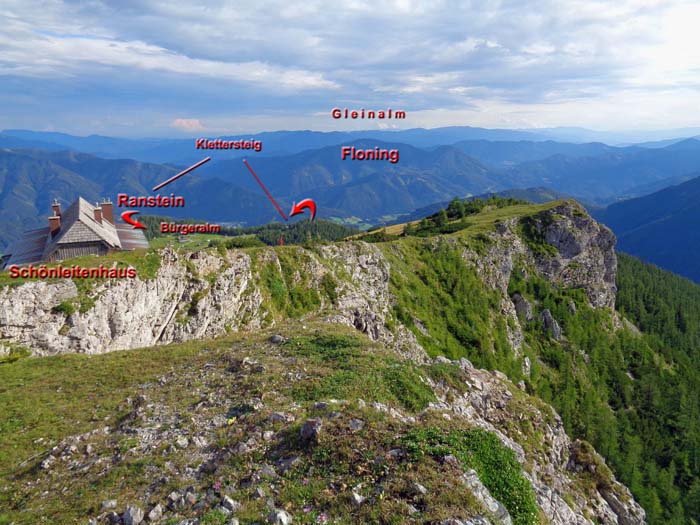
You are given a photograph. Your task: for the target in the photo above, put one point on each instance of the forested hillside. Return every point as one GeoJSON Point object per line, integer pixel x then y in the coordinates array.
{"type": "Point", "coordinates": [632, 394]}
{"type": "Point", "coordinates": [297, 232]}
{"type": "Point", "coordinates": [661, 456]}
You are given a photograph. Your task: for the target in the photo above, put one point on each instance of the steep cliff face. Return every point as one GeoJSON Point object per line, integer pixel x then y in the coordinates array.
{"type": "Point", "coordinates": [374, 289]}
{"type": "Point", "coordinates": [570, 487]}
{"type": "Point", "coordinates": [205, 294]}
{"type": "Point", "coordinates": [563, 244]}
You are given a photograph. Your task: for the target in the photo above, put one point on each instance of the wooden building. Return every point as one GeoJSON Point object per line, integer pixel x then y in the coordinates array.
{"type": "Point", "coordinates": [82, 229]}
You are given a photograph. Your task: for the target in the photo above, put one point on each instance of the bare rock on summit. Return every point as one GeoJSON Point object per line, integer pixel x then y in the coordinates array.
{"type": "Point", "coordinates": [585, 256]}
{"type": "Point", "coordinates": [133, 515]}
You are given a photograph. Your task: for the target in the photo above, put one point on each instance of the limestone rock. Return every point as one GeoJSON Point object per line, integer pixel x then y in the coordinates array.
{"type": "Point", "coordinates": [133, 515]}
{"type": "Point", "coordinates": [550, 325]}
{"type": "Point", "coordinates": [109, 504]}
{"type": "Point", "coordinates": [231, 504]}
{"type": "Point", "coordinates": [495, 507]}
{"type": "Point", "coordinates": [418, 489]}
{"type": "Point", "coordinates": [156, 513]}
{"type": "Point", "coordinates": [279, 517]}
{"type": "Point", "coordinates": [523, 308]}
{"type": "Point", "coordinates": [357, 499]}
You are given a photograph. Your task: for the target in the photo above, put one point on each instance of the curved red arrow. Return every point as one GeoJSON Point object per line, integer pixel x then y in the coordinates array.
{"type": "Point", "coordinates": [126, 217]}
{"type": "Point", "coordinates": [298, 208]}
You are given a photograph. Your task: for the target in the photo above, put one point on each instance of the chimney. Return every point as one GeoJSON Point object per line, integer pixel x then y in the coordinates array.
{"type": "Point", "coordinates": [108, 211]}
{"type": "Point", "coordinates": [56, 208]}
{"type": "Point", "coordinates": [54, 225]}
{"type": "Point", "coordinates": [98, 213]}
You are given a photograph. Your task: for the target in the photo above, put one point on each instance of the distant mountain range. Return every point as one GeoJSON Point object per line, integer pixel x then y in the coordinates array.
{"type": "Point", "coordinates": [661, 228]}
{"type": "Point", "coordinates": [275, 143]}
{"type": "Point", "coordinates": [505, 154]}
{"type": "Point", "coordinates": [610, 176]}
{"type": "Point", "coordinates": [31, 179]}
{"type": "Point", "coordinates": [36, 167]}
{"type": "Point", "coordinates": [367, 189]}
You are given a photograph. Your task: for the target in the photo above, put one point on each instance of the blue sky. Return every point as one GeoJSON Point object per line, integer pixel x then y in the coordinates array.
{"type": "Point", "coordinates": [170, 68]}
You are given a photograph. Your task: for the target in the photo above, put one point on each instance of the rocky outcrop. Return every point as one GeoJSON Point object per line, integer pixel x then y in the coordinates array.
{"type": "Point", "coordinates": [550, 325]}
{"type": "Point", "coordinates": [364, 300]}
{"type": "Point", "coordinates": [552, 462]}
{"type": "Point", "coordinates": [132, 313]}
{"type": "Point", "coordinates": [585, 256]}
{"type": "Point", "coordinates": [523, 308]}
{"type": "Point", "coordinates": [195, 296]}
{"type": "Point", "coordinates": [564, 245]}
{"type": "Point", "coordinates": [207, 294]}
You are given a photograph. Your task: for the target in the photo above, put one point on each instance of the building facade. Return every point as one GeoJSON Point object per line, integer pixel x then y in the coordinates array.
{"type": "Point", "coordinates": [83, 229]}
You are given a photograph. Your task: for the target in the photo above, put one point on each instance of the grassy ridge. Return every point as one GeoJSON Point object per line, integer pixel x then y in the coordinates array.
{"type": "Point", "coordinates": [630, 395]}
{"type": "Point", "coordinates": [50, 399]}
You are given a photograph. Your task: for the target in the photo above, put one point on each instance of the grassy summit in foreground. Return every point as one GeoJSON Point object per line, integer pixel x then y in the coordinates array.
{"type": "Point", "coordinates": [528, 291]}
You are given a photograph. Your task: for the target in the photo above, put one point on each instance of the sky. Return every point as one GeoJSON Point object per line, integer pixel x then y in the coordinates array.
{"type": "Point", "coordinates": [172, 68]}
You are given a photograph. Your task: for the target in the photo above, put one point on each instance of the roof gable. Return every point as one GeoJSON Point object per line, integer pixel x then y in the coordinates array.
{"type": "Point", "coordinates": [78, 224]}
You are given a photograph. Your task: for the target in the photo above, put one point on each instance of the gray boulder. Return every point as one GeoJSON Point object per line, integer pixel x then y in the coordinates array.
{"type": "Point", "coordinates": [133, 515]}
{"type": "Point", "coordinates": [231, 504]}
{"type": "Point", "coordinates": [550, 325]}
{"type": "Point", "coordinates": [311, 430]}
{"type": "Point", "coordinates": [156, 513]}
{"type": "Point", "coordinates": [522, 307]}
{"type": "Point", "coordinates": [279, 517]}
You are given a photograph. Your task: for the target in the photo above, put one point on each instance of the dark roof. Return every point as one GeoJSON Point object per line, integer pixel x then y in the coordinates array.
{"type": "Point", "coordinates": [78, 225]}
{"type": "Point", "coordinates": [29, 248]}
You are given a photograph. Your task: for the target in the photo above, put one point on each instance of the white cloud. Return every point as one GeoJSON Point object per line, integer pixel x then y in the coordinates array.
{"type": "Point", "coordinates": [278, 64]}
{"type": "Point", "coordinates": [187, 124]}
{"type": "Point", "coordinates": [41, 54]}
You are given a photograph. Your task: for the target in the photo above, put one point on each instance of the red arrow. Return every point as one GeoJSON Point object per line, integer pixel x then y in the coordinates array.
{"type": "Point", "coordinates": [299, 208]}
{"type": "Point", "coordinates": [126, 217]}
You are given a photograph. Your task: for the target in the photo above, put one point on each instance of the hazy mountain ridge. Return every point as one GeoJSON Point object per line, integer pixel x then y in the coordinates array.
{"type": "Point", "coordinates": [604, 177]}
{"type": "Point", "coordinates": [505, 154]}
{"type": "Point", "coordinates": [274, 143]}
{"type": "Point", "coordinates": [368, 189]}
{"type": "Point", "coordinates": [31, 179]}
{"type": "Point", "coordinates": [660, 228]}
